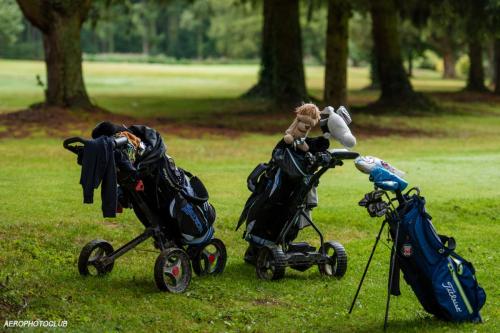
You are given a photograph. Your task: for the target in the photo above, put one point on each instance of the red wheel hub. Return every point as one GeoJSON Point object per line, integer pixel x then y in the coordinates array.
{"type": "Point", "coordinates": [175, 271]}
{"type": "Point", "coordinates": [211, 258]}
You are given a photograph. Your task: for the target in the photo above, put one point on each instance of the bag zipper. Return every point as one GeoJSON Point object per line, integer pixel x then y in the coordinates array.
{"type": "Point", "coordinates": [459, 287]}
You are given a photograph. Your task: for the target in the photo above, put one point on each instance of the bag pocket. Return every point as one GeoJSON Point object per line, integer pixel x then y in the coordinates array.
{"type": "Point", "coordinates": [466, 275]}
{"type": "Point", "coordinates": [193, 220]}
{"type": "Point", "coordinates": [450, 294]}
{"type": "Point", "coordinates": [255, 175]}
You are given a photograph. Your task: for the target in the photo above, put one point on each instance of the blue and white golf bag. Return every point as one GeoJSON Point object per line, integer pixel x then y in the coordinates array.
{"type": "Point", "coordinates": [444, 282]}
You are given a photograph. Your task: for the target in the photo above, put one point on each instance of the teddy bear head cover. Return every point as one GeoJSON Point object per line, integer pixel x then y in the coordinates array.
{"type": "Point", "coordinates": [307, 116]}
{"type": "Point", "coordinates": [334, 124]}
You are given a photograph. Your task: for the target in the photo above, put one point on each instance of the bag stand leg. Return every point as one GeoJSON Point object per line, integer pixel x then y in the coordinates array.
{"type": "Point", "coordinates": [391, 275]}
{"type": "Point", "coordinates": [367, 265]}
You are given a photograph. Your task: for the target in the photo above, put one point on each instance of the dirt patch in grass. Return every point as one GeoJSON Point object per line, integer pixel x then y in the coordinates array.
{"type": "Point", "coordinates": [59, 122]}
{"type": "Point", "coordinates": [467, 97]}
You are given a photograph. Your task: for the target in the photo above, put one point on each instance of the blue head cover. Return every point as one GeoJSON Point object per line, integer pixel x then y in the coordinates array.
{"type": "Point", "coordinates": [386, 180]}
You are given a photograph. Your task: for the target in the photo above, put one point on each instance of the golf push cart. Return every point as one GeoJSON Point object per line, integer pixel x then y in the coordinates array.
{"type": "Point", "coordinates": [331, 257]}
{"type": "Point", "coordinates": [283, 195]}
{"type": "Point", "coordinates": [145, 191]}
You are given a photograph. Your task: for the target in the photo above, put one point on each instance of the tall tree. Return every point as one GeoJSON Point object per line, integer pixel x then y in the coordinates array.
{"type": "Point", "coordinates": [474, 30]}
{"type": "Point", "coordinates": [496, 74]}
{"type": "Point", "coordinates": [336, 53]}
{"type": "Point", "coordinates": [444, 34]}
{"type": "Point", "coordinates": [449, 57]}
{"type": "Point", "coordinates": [60, 22]}
{"type": "Point", "coordinates": [493, 26]}
{"type": "Point", "coordinates": [394, 83]}
{"type": "Point", "coordinates": [281, 76]}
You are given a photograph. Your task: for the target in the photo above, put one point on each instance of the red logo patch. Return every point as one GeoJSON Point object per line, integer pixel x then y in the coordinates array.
{"type": "Point", "coordinates": [407, 250]}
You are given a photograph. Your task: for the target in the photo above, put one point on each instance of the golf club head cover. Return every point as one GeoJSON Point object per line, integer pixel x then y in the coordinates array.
{"type": "Point", "coordinates": [386, 180]}
{"type": "Point", "coordinates": [335, 125]}
{"type": "Point", "coordinates": [366, 164]}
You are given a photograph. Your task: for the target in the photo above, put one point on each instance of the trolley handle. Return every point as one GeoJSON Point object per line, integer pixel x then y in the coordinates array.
{"type": "Point", "coordinates": [344, 155]}
{"type": "Point", "coordinates": [70, 143]}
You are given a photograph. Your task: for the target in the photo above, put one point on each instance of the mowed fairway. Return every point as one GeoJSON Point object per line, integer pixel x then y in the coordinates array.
{"type": "Point", "coordinates": [174, 90]}
{"type": "Point", "coordinates": [43, 223]}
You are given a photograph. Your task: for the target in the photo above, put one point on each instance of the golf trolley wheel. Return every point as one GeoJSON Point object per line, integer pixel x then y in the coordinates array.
{"type": "Point", "coordinates": [89, 262]}
{"type": "Point", "coordinates": [172, 270]}
{"type": "Point", "coordinates": [338, 260]}
{"type": "Point", "coordinates": [271, 263]}
{"type": "Point", "coordinates": [210, 259]}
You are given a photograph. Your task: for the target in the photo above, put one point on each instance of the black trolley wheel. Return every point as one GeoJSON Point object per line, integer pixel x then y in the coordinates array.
{"type": "Point", "coordinates": [209, 259]}
{"type": "Point", "coordinates": [338, 260]}
{"type": "Point", "coordinates": [172, 270]}
{"type": "Point", "coordinates": [271, 263]}
{"type": "Point", "coordinates": [91, 255]}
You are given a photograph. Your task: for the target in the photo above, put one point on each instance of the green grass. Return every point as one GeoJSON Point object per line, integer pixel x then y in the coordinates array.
{"type": "Point", "coordinates": [43, 224]}
{"type": "Point", "coordinates": [176, 90]}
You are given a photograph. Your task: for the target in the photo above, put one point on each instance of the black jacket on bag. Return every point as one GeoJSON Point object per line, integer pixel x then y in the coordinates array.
{"type": "Point", "coordinates": [98, 165]}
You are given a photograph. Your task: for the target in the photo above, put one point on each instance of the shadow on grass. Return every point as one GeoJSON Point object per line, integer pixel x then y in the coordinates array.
{"type": "Point", "coordinates": [419, 324]}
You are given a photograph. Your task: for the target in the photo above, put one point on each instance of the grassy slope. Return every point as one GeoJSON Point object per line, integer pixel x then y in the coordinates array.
{"type": "Point", "coordinates": [43, 224]}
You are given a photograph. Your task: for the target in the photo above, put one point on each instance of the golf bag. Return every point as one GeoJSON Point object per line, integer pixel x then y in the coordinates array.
{"type": "Point", "coordinates": [444, 283]}
{"type": "Point", "coordinates": [171, 192]}
{"type": "Point", "coordinates": [275, 188]}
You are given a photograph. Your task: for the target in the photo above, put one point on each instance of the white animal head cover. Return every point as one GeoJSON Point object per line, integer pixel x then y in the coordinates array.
{"type": "Point", "coordinates": [335, 125]}
{"type": "Point", "coordinates": [366, 164]}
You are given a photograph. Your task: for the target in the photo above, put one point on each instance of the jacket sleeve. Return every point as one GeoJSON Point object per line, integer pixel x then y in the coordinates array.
{"type": "Point", "coordinates": [108, 186]}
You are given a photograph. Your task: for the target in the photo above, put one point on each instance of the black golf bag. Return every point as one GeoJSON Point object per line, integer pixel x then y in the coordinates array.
{"type": "Point", "coordinates": [275, 188]}
{"type": "Point", "coordinates": [174, 194]}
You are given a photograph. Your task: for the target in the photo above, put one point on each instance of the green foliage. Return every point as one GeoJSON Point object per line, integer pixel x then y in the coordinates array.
{"type": "Point", "coordinates": [462, 66]}
{"type": "Point", "coordinates": [314, 33]}
{"type": "Point", "coordinates": [10, 22]}
{"type": "Point", "coordinates": [235, 28]}
{"type": "Point", "coordinates": [360, 39]}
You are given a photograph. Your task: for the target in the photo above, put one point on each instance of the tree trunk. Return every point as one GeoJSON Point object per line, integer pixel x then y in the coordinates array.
{"type": "Point", "coordinates": [60, 23]}
{"type": "Point", "coordinates": [173, 33]}
{"type": "Point", "coordinates": [337, 33]}
{"type": "Point", "coordinates": [199, 44]}
{"type": "Point", "coordinates": [374, 79]}
{"type": "Point", "coordinates": [449, 62]}
{"type": "Point", "coordinates": [111, 40]}
{"type": "Point", "coordinates": [264, 86]}
{"type": "Point", "coordinates": [410, 64]}
{"type": "Point", "coordinates": [145, 44]}
{"type": "Point", "coordinates": [289, 79]}
{"type": "Point", "coordinates": [281, 77]}
{"type": "Point", "coordinates": [475, 79]}
{"type": "Point", "coordinates": [496, 74]}
{"type": "Point", "coordinates": [63, 58]}
{"type": "Point", "coordinates": [395, 85]}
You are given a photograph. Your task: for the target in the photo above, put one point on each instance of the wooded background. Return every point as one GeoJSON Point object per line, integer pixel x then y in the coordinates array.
{"type": "Point", "coordinates": [459, 37]}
